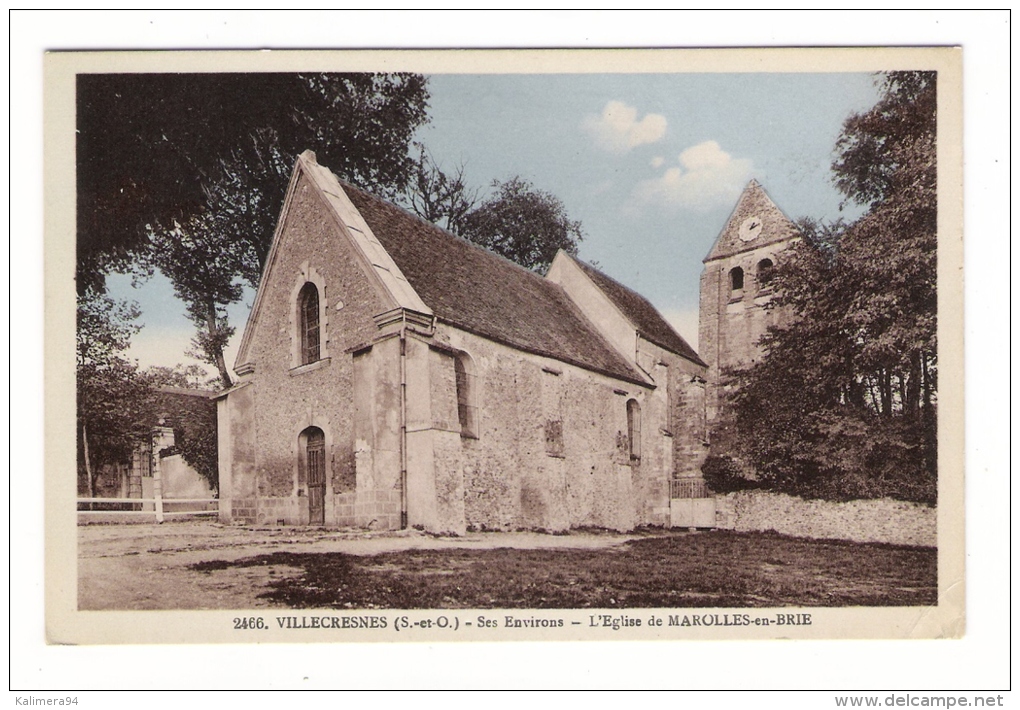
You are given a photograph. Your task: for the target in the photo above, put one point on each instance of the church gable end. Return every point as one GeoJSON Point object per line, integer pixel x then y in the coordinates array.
{"type": "Point", "coordinates": [312, 262]}
{"type": "Point", "coordinates": [321, 239]}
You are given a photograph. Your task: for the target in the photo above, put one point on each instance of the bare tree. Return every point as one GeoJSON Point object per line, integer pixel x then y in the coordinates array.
{"type": "Point", "coordinates": [437, 197]}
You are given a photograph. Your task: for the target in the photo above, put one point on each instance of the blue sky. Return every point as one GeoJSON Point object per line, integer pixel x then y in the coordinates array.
{"type": "Point", "coordinates": [651, 164]}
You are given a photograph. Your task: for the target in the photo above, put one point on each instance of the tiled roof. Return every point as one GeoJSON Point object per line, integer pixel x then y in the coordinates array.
{"type": "Point", "coordinates": [649, 322]}
{"type": "Point", "coordinates": [478, 291]}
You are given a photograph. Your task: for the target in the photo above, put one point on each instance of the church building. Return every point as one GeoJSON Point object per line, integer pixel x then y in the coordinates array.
{"type": "Point", "coordinates": [393, 375]}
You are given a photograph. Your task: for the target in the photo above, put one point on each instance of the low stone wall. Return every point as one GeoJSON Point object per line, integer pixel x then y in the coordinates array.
{"type": "Point", "coordinates": [882, 520]}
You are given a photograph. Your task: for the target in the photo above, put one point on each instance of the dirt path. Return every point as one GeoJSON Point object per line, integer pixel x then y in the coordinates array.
{"type": "Point", "coordinates": [149, 566]}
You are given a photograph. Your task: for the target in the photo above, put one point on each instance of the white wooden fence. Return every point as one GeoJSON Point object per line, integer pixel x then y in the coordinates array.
{"type": "Point", "coordinates": [688, 488]}
{"type": "Point", "coordinates": [158, 507]}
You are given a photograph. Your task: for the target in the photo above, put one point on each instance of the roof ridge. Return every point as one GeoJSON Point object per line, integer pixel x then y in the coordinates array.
{"type": "Point", "coordinates": [600, 272]}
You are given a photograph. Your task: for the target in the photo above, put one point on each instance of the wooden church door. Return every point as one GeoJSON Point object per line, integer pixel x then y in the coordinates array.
{"type": "Point", "coordinates": [316, 462]}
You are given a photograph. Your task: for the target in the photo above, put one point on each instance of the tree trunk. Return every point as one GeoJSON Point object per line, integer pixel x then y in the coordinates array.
{"type": "Point", "coordinates": [902, 386]}
{"type": "Point", "coordinates": [874, 394]}
{"type": "Point", "coordinates": [928, 386]}
{"type": "Point", "coordinates": [216, 350]}
{"type": "Point", "coordinates": [88, 464]}
{"type": "Point", "coordinates": [886, 385]}
{"type": "Point", "coordinates": [912, 396]}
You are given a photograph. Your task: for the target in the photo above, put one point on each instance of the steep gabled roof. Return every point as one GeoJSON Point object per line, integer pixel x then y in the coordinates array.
{"type": "Point", "coordinates": [753, 202]}
{"type": "Point", "coordinates": [378, 265]}
{"type": "Point", "coordinates": [478, 291]}
{"type": "Point", "coordinates": [648, 322]}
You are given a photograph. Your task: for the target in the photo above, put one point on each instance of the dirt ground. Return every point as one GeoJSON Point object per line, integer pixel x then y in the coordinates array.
{"type": "Point", "coordinates": [204, 565]}
{"type": "Point", "coordinates": [148, 566]}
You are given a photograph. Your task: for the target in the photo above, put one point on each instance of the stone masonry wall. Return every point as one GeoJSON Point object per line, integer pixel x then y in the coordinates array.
{"type": "Point", "coordinates": [681, 404]}
{"type": "Point", "coordinates": [548, 453]}
{"type": "Point", "coordinates": [311, 248]}
{"type": "Point", "coordinates": [732, 322]}
{"type": "Point", "coordinates": [883, 520]}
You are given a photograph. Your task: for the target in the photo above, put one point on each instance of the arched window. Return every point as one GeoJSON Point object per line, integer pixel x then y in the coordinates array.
{"type": "Point", "coordinates": [467, 394]}
{"type": "Point", "coordinates": [313, 452]}
{"type": "Point", "coordinates": [634, 429]}
{"type": "Point", "coordinates": [308, 309]}
{"type": "Point", "coordinates": [736, 279]}
{"type": "Point", "coordinates": [764, 272]}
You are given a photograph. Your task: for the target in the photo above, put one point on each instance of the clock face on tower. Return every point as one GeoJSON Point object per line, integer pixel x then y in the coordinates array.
{"type": "Point", "coordinates": [750, 228]}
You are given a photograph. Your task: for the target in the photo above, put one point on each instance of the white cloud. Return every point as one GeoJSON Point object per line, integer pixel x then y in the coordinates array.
{"type": "Point", "coordinates": [707, 177]}
{"type": "Point", "coordinates": [617, 130]}
{"type": "Point", "coordinates": [658, 161]}
{"type": "Point", "coordinates": [685, 323]}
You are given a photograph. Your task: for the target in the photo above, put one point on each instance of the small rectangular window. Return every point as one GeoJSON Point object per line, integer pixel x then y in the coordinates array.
{"type": "Point", "coordinates": [554, 438]}
{"type": "Point", "coordinates": [467, 409]}
{"type": "Point", "coordinates": [634, 429]}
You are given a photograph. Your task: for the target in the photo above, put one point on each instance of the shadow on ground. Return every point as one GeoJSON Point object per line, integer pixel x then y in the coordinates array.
{"type": "Point", "coordinates": [716, 569]}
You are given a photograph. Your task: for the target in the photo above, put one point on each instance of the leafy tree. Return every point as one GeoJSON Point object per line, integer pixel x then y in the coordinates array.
{"type": "Point", "coordinates": [523, 224]}
{"type": "Point", "coordinates": [186, 173]}
{"type": "Point", "coordinates": [203, 268]}
{"type": "Point", "coordinates": [843, 404]}
{"type": "Point", "coordinates": [877, 147]}
{"type": "Point", "coordinates": [111, 397]}
{"type": "Point", "coordinates": [152, 148]}
{"type": "Point", "coordinates": [518, 221]}
{"type": "Point", "coordinates": [896, 292]}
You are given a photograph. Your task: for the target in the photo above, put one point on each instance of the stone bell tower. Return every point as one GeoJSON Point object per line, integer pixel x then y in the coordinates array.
{"type": "Point", "coordinates": [736, 285]}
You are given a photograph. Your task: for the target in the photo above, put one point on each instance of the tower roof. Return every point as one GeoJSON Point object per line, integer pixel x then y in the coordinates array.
{"type": "Point", "coordinates": [755, 221]}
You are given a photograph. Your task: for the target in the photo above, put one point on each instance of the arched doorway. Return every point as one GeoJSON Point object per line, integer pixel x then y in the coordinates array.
{"type": "Point", "coordinates": [314, 453]}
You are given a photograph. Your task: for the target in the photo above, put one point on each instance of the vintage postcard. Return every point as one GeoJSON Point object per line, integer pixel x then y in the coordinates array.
{"type": "Point", "coordinates": [504, 345]}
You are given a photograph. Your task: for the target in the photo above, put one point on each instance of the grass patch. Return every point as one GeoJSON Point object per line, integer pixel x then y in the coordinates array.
{"type": "Point", "coordinates": [717, 569]}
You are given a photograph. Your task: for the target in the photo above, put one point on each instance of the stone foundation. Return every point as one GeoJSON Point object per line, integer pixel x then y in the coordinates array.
{"type": "Point", "coordinates": [374, 509]}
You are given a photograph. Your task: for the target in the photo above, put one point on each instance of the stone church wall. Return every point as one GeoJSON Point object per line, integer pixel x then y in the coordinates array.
{"type": "Point", "coordinates": [551, 451]}
{"type": "Point", "coordinates": [682, 407]}
{"type": "Point", "coordinates": [285, 399]}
